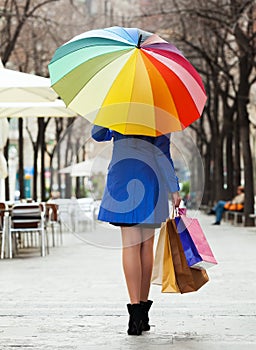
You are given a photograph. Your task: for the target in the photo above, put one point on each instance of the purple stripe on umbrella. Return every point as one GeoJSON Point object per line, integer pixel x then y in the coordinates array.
{"type": "Point", "coordinates": [165, 47]}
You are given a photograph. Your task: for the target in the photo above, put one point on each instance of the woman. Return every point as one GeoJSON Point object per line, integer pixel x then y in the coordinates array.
{"type": "Point", "coordinates": [141, 173]}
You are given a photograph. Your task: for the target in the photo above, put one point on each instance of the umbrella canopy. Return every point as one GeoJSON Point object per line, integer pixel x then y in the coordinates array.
{"type": "Point", "coordinates": [23, 87]}
{"type": "Point", "coordinates": [56, 108]}
{"type": "Point", "coordinates": [128, 80]}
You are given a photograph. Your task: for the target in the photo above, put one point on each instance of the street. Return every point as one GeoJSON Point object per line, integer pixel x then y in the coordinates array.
{"type": "Point", "coordinates": [75, 298]}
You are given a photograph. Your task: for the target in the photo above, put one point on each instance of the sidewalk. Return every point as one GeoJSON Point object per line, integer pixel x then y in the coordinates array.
{"type": "Point", "coordinates": [75, 298]}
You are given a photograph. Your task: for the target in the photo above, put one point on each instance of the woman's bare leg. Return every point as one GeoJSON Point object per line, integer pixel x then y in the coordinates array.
{"type": "Point", "coordinates": [147, 259]}
{"type": "Point", "coordinates": [131, 238]}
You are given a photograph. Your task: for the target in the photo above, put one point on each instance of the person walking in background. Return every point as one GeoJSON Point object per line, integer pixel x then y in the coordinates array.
{"type": "Point", "coordinates": [235, 204]}
{"type": "Point", "coordinates": [140, 175]}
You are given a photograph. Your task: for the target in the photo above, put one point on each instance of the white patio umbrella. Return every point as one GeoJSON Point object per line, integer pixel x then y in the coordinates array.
{"type": "Point", "coordinates": [19, 88]}
{"type": "Point", "coordinates": [23, 87]}
{"type": "Point", "coordinates": [55, 108]}
{"type": "Point", "coordinates": [87, 167]}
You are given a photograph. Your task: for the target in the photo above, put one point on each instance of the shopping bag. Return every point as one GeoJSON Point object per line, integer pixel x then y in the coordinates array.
{"type": "Point", "coordinates": [169, 282]}
{"type": "Point", "coordinates": [163, 269]}
{"type": "Point", "coordinates": [196, 248]}
{"type": "Point", "coordinates": [157, 272]}
{"type": "Point", "coordinates": [188, 279]}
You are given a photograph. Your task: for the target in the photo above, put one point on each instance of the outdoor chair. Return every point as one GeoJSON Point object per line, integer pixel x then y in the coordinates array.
{"type": "Point", "coordinates": [66, 212]}
{"type": "Point", "coordinates": [85, 212]}
{"type": "Point", "coordinates": [53, 220]}
{"type": "Point", "coordinates": [27, 227]}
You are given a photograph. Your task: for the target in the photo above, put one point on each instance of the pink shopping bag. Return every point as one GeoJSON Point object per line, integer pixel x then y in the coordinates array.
{"type": "Point", "coordinates": [196, 248]}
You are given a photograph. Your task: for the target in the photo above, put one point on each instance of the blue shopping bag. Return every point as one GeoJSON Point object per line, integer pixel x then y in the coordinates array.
{"type": "Point", "coordinates": [196, 248]}
{"type": "Point", "coordinates": [191, 253]}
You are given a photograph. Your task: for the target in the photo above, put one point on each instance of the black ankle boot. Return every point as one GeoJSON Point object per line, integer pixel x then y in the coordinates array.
{"type": "Point", "coordinates": [146, 305]}
{"type": "Point", "coordinates": [135, 321]}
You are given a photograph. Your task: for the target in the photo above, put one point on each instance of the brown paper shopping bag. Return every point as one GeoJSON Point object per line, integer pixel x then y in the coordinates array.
{"type": "Point", "coordinates": [163, 269]}
{"type": "Point", "coordinates": [188, 279]}
{"type": "Point", "coordinates": [169, 282]}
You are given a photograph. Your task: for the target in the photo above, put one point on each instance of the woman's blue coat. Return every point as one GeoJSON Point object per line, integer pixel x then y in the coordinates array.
{"type": "Point", "coordinates": [140, 175]}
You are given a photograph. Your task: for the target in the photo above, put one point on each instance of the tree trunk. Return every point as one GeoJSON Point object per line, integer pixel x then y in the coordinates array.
{"type": "Point", "coordinates": [51, 172]}
{"type": "Point", "coordinates": [207, 173]}
{"type": "Point", "coordinates": [228, 136]}
{"type": "Point", "coordinates": [35, 177]}
{"type": "Point", "coordinates": [7, 189]}
{"type": "Point", "coordinates": [245, 68]}
{"type": "Point", "coordinates": [59, 175]}
{"type": "Point", "coordinates": [237, 155]}
{"type": "Point", "coordinates": [21, 160]}
{"type": "Point", "coordinates": [229, 166]}
{"type": "Point", "coordinates": [59, 129]}
{"type": "Point", "coordinates": [248, 166]}
{"type": "Point", "coordinates": [41, 138]}
{"type": "Point", "coordinates": [243, 99]}
{"type": "Point", "coordinates": [218, 181]}
{"type": "Point", "coordinates": [68, 160]}
{"type": "Point", "coordinates": [216, 142]}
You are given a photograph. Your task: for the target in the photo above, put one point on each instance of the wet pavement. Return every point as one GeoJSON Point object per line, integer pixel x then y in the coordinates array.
{"type": "Point", "coordinates": [75, 298]}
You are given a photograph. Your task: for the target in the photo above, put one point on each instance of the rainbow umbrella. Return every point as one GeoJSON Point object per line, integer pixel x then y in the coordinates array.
{"type": "Point", "coordinates": [128, 80]}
